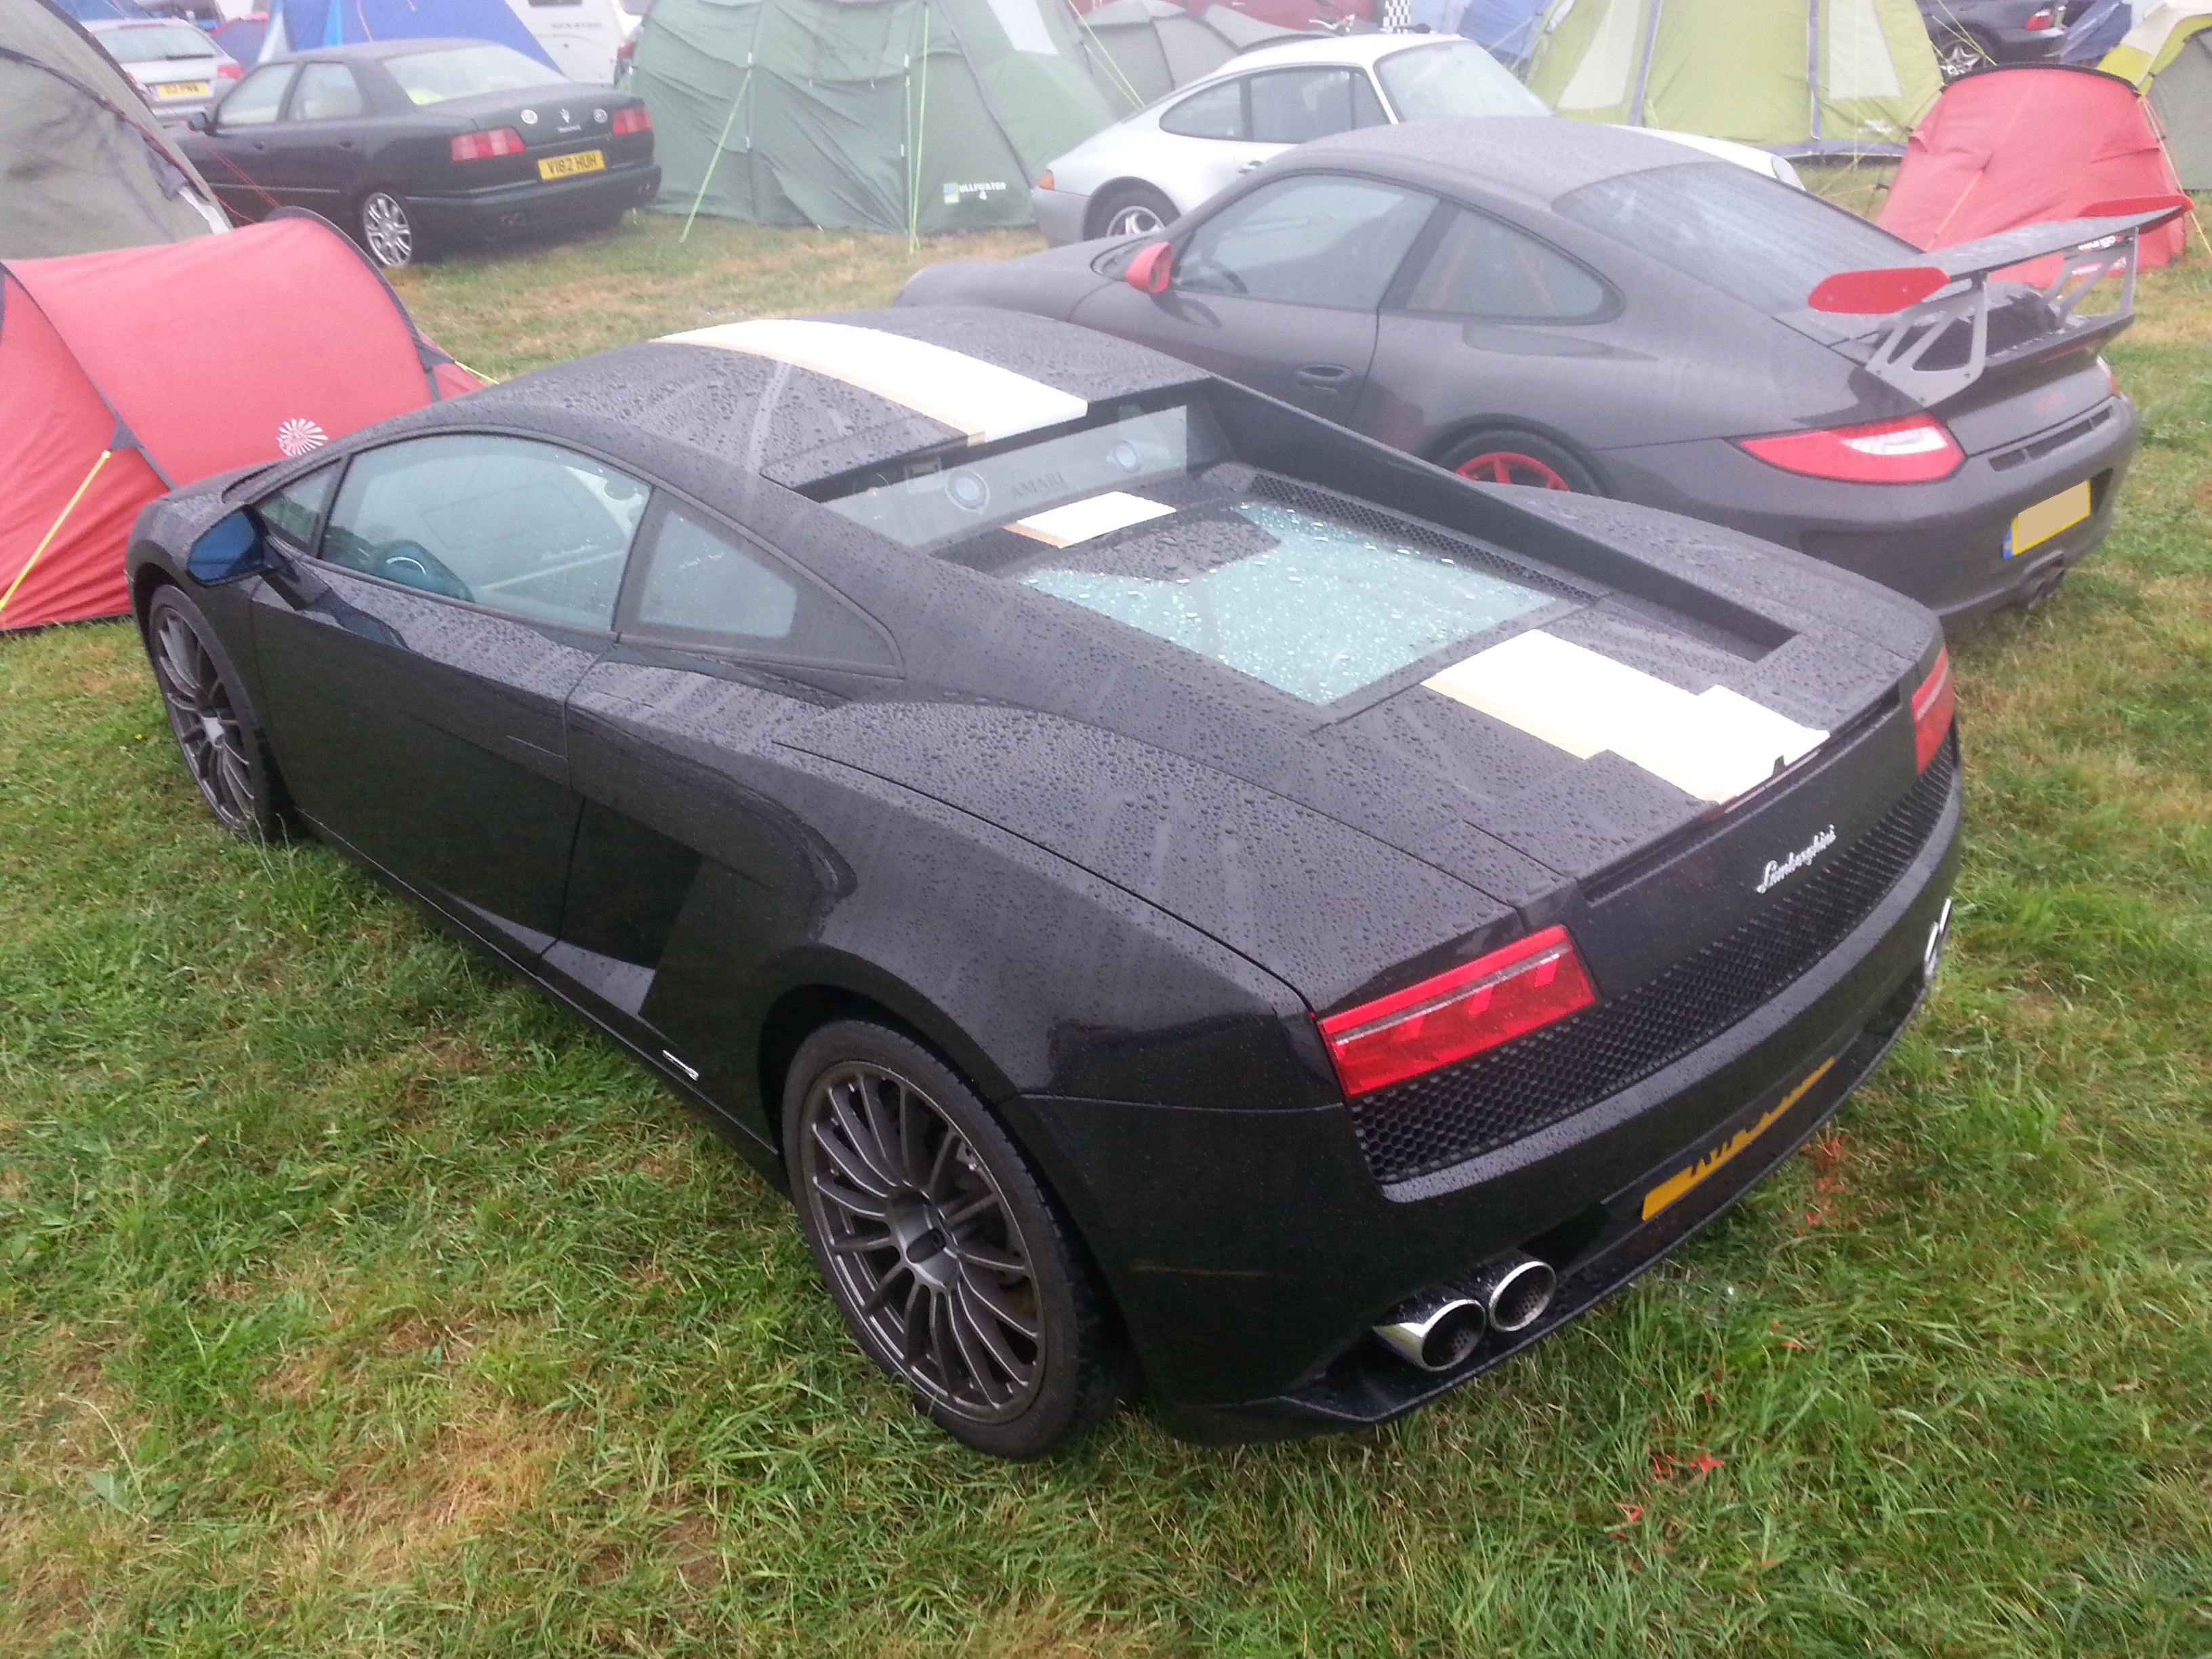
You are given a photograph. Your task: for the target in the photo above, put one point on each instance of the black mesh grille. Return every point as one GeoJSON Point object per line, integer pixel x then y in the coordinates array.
{"type": "Point", "coordinates": [1429, 1122]}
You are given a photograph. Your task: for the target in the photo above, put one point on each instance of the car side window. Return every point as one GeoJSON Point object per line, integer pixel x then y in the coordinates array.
{"type": "Point", "coordinates": [327, 92]}
{"type": "Point", "coordinates": [704, 584]}
{"type": "Point", "coordinates": [1480, 268]}
{"type": "Point", "coordinates": [1216, 113]}
{"type": "Point", "coordinates": [1314, 239]}
{"type": "Point", "coordinates": [1291, 106]}
{"type": "Point", "coordinates": [294, 512]}
{"type": "Point", "coordinates": [255, 101]}
{"type": "Point", "coordinates": [517, 526]}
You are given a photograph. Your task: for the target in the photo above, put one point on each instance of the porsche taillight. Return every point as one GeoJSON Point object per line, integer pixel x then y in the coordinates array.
{"type": "Point", "coordinates": [1458, 1013]}
{"type": "Point", "coordinates": [1914, 450]}
{"type": "Point", "coordinates": [1933, 707]}
{"type": "Point", "coordinates": [482, 146]}
{"type": "Point", "coordinates": [630, 120]}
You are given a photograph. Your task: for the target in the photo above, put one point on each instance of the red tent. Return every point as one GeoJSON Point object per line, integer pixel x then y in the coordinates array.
{"type": "Point", "coordinates": [2013, 146]}
{"type": "Point", "coordinates": [124, 373]}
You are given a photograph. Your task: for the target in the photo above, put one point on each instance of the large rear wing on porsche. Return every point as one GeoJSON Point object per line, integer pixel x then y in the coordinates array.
{"type": "Point", "coordinates": [1921, 303]}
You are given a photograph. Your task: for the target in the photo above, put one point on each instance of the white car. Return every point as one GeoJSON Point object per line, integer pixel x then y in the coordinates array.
{"type": "Point", "coordinates": [1156, 165]}
{"type": "Point", "coordinates": [178, 67]}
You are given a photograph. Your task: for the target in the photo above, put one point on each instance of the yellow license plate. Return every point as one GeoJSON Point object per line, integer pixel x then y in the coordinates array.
{"type": "Point", "coordinates": [183, 89]}
{"type": "Point", "coordinates": [1674, 1186]}
{"type": "Point", "coordinates": [563, 167]}
{"type": "Point", "coordinates": [2046, 519]}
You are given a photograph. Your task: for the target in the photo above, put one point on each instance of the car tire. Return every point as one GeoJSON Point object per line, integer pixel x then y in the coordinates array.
{"type": "Point", "coordinates": [212, 720]}
{"type": "Point", "coordinates": [1520, 458]}
{"type": "Point", "coordinates": [975, 1294]}
{"type": "Point", "coordinates": [1132, 210]}
{"type": "Point", "coordinates": [388, 230]}
{"type": "Point", "coordinates": [1960, 52]}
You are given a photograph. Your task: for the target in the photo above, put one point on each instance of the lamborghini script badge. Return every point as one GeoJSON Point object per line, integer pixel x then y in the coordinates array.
{"type": "Point", "coordinates": [1778, 871]}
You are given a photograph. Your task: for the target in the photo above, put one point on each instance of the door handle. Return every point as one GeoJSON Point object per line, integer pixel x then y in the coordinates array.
{"type": "Point", "coordinates": [1323, 377]}
{"type": "Point", "coordinates": [1259, 161]}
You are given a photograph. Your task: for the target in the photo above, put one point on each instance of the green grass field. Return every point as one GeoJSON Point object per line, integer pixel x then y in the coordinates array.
{"type": "Point", "coordinates": [353, 1301]}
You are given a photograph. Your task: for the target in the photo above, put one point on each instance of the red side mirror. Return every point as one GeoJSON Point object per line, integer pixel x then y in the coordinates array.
{"type": "Point", "coordinates": [1149, 271]}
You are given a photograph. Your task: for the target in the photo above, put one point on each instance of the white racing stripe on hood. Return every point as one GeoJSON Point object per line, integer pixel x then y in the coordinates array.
{"type": "Point", "coordinates": [1713, 744]}
{"type": "Point", "coordinates": [1096, 515]}
{"type": "Point", "coordinates": [979, 398]}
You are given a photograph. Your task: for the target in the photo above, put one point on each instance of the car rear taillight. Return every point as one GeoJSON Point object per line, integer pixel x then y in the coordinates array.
{"type": "Point", "coordinates": [1044, 179]}
{"type": "Point", "coordinates": [228, 71]}
{"type": "Point", "coordinates": [2112, 380]}
{"type": "Point", "coordinates": [1914, 450]}
{"type": "Point", "coordinates": [632, 119]}
{"type": "Point", "coordinates": [1461, 1011]}
{"type": "Point", "coordinates": [481, 146]}
{"type": "Point", "coordinates": [1933, 707]}
{"type": "Point", "coordinates": [2039, 20]}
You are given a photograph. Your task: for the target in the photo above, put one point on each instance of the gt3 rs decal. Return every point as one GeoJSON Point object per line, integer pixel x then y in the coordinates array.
{"type": "Point", "coordinates": [1680, 1182]}
{"type": "Point", "coordinates": [979, 398]}
{"type": "Point", "coordinates": [1095, 515]}
{"type": "Point", "coordinates": [1713, 744]}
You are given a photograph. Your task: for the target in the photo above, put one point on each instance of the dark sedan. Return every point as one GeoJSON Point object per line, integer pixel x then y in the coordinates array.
{"type": "Point", "coordinates": [421, 146]}
{"type": "Point", "coordinates": [1557, 303]}
{"type": "Point", "coordinates": [1971, 35]}
{"type": "Point", "coordinates": [1176, 891]}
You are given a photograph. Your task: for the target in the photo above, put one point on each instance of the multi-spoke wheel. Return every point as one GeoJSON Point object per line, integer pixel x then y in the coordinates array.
{"type": "Point", "coordinates": [942, 1251]}
{"type": "Point", "coordinates": [1519, 458]}
{"type": "Point", "coordinates": [388, 229]}
{"type": "Point", "coordinates": [1133, 210]}
{"type": "Point", "coordinates": [213, 727]}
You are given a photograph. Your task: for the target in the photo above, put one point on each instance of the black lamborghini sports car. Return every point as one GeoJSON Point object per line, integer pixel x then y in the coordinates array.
{"type": "Point", "coordinates": [1576, 307]}
{"type": "Point", "coordinates": [1179, 893]}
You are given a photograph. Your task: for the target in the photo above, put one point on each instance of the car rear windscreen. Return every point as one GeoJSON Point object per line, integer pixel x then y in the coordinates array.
{"type": "Point", "coordinates": [1452, 79]}
{"type": "Point", "coordinates": [169, 43]}
{"type": "Point", "coordinates": [1753, 238]}
{"type": "Point", "coordinates": [432, 77]}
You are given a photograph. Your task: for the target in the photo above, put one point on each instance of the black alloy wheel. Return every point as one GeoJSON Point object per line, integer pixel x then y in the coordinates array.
{"type": "Point", "coordinates": [1519, 458]}
{"type": "Point", "coordinates": [214, 728]}
{"type": "Point", "coordinates": [1133, 210]}
{"type": "Point", "coordinates": [940, 1246]}
{"type": "Point", "coordinates": [1959, 52]}
{"type": "Point", "coordinates": [388, 229]}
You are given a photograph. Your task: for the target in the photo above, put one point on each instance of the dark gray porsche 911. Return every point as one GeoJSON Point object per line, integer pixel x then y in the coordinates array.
{"type": "Point", "coordinates": [1576, 307]}
{"type": "Point", "coordinates": [1178, 893]}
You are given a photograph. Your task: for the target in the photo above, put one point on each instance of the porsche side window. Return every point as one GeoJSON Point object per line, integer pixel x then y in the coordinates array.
{"type": "Point", "coordinates": [254, 101]}
{"type": "Point", "coordinates": [1315, 239]}
{"type": "Point", "coordinates": [521, 526]}
{"type": "Point", "coordinates": [1290, 106]}
{"type": "Point", "coordinates": [1216, 113]}
{"type": "Point", "coordinates": [294, 511]}
{"type": "Point", "coordinates": [327, 92]}
{"type": "Point", "coordinates": [1480, 268]}
{"type": "Point", "coordinates": [704, 585]}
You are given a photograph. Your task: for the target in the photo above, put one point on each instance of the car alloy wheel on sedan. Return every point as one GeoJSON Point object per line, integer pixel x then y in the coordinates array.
{"type": "Point", "coordinates": [1180, 893]}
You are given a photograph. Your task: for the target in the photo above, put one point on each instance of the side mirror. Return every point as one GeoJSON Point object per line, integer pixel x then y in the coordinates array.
{"type": "Point", "coordinates": [201, 120]}
{"type": "Point", "coordinates": [1148, 273]}
{"type": "Point", "coordinates": [233, 547]}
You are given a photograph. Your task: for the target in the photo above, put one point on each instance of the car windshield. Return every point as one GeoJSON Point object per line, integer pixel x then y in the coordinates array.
{"type": "Point", "coordinates": [1452, 79]}
{"type": "Point", "coordinates": [156, 44]}
{"type": "Point", "coordinates": [1752, 237]}
{"type": "Point", "coordinates": [432, 77]}
{"type": "Point", "coordinates": [944, 498]}
{"type": "Point", "coordinates": [1309, 605]}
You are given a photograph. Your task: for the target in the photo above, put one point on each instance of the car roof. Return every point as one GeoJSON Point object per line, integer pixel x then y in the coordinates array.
{"type": "Point", "coordinates": [1360, 49]}
{"type": "Point", "coordinates": [110, 25]}
{"type": "Point", "coordinates": [376, 50]}
{"type": "Point", "coordinates": [1534, 158]}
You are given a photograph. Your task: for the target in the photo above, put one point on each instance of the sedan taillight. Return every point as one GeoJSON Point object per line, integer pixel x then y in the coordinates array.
{"type": "Point", "coordinates": [1934, 704]}
{"type": "Point", "coordinates": [1914, 450]}
{"type": "Point", "coordinates": [481, 146]}
{"type": "Point", "coordinates": [228, 71]}
{"type": "Point", "coordinates": [631, 120]}
{"type": "Point", "coordinates": [1459, 1013]}
{"type": "Point", "coordinates": [2039, 20]}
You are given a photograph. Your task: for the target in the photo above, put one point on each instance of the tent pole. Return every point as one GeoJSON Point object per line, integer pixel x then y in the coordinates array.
{"type": "Point", "coordinates": [1813, 62]}
{"type": "Point", "coordinates": [1113, 69]}
{"type": "Point", "coordinates": [1644, 67]}
{"type": "Point", "coordinates": [744, 86]}
{"type": "Point", "coordinates": [46, 541]}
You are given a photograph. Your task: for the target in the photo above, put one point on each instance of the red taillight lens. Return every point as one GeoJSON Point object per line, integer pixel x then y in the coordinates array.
{"type": "Point", "coordinates": [1912, 451]}
{"type": "Point", "coordinates": [2039, 20]}
{"type": "Point", "coordinates": [228, 71]}
{"type": "Point", "coordinates": [1044, 179]}
{"type": "Point", "coordinates": [1461, 1011]}
{"type": "Point", "coordinates": [481, 146]}
{"type": "Point", "coordinates": [1933, 706]}
{"type": "Point", "coordinates": [632, 119]}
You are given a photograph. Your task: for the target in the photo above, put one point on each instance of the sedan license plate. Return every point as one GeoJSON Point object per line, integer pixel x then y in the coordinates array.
{"type": "Point", "coordinates": [2046, 519]}
{"type": "Point", "coordinates": [183, 89]}
{"type": "Point", "coordinates": [563, 167]}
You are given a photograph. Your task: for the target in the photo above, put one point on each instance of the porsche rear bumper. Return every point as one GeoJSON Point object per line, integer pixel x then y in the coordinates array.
{"type": "Point", "coordinates": [1251, 1252]}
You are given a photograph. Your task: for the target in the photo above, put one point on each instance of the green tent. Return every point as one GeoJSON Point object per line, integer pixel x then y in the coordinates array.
{"type": "Point", "coordinates": [84, 166]}
{"type": "Point", "coordinates": [1152, 47]}
{"type": "Point", "coordinates": [2169, 56]}
{"type": "Point", "coordinates": [1801, 76]}
{"type": "Point", "coordinates": [914, 116]}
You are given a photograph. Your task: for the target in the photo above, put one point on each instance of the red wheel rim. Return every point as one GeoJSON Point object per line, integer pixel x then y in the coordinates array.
{"type": "Point", "coordinates": [1511, 466]}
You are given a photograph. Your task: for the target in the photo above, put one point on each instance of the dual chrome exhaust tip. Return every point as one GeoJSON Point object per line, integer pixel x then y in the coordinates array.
{"type": "Point", "coordinates": [1439, 1329]}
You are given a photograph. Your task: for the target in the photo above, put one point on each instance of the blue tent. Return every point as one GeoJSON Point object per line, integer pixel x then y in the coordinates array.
{"type": "Point", "coordinates": [303, 25]}
{"type": "Point", "coordinates": [1507, 28]}
{"type": "Point", "coordinates": [2097, 31]}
